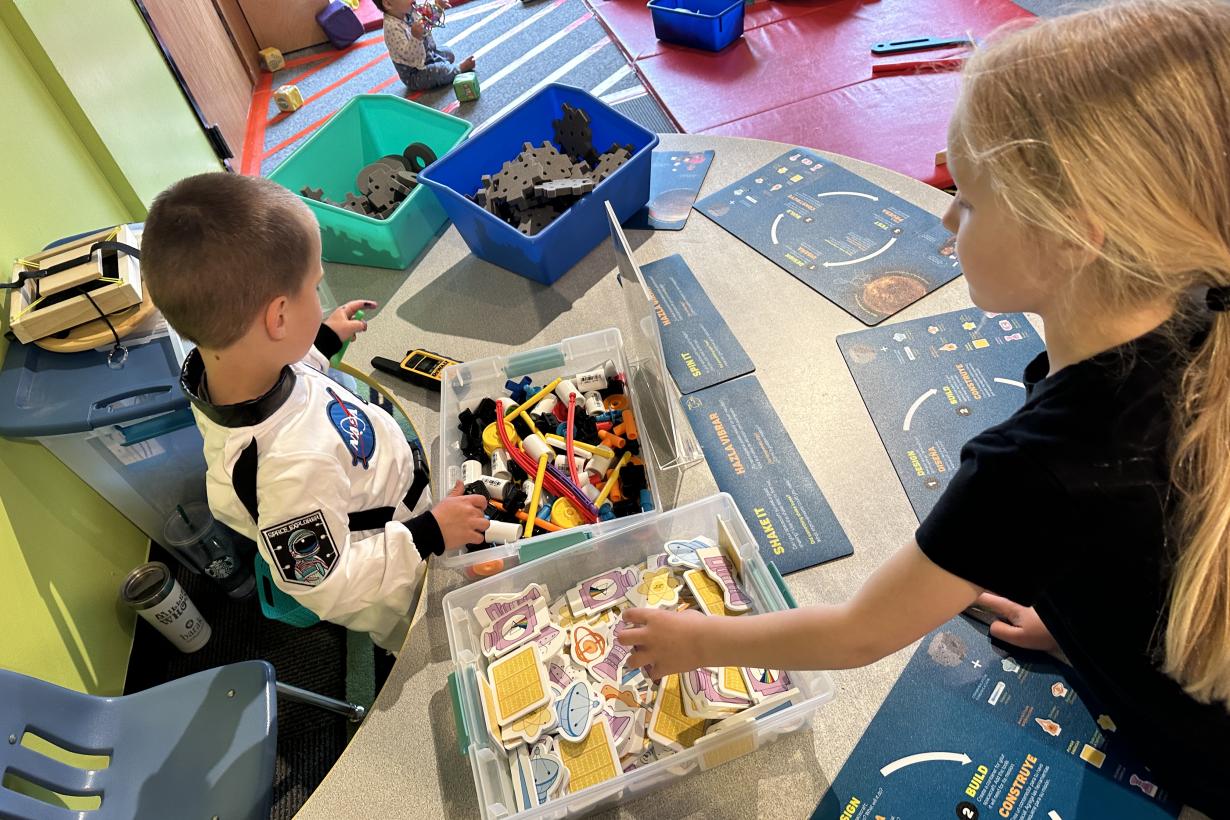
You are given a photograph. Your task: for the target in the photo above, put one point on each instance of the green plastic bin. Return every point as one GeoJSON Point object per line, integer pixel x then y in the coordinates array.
{"type": "Point", "coordinates": [362, 131]}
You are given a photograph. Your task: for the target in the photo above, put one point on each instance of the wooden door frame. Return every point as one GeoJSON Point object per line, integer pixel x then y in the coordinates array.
{"type": "Point", "coordinates": [212, 132]}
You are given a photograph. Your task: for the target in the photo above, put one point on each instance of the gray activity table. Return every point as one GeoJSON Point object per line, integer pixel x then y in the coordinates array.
{"type": "Point", "coordinates": [403, 761]}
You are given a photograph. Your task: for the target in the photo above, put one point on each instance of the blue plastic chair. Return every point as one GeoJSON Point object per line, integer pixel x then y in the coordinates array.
{"type": "Point", "coordinates": [204, 744]}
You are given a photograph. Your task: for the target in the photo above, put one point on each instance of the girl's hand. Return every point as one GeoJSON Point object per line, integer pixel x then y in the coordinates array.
{"type": "Point", "coordinates": [664, 643]}
{"type": "Point", "coordinates": [1020, 626]}
{"type": "Point", "coordinates": [460, 518]}
{"type": "Point", "coordinates": [343, 323]}
{"type": "Point", "coordinates": [418, 29]}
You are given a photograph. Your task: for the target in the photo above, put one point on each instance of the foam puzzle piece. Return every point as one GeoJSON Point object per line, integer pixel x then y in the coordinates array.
{"type": "Point", "coordinates": [532, 726]}
{"type": "Point", "coordinates": [609, 669]}
{"type": "Point", "coordinates": [729, 548]}
{"type": "Point", "coordinates": [708, 593]}
{"type": "Point", "coordinates": [730, 682]}
{"type": "Point", "coordinates": [489, 717]}
{"type": "Point", "coordinates": [492, 606]}
{"type": "Point", "coordinates": [558, 674]}
{"type": "Point", "coordinates": [576, 708]}
{"type": "Point", "coordinates": [520, 683]}
{"type": "Point", "coordinates": [669, 725]}
{"type": "Point", "coordinates": [548, 773]}
{"type": "Point", "coordinates": [602, 591]}
{"type": "Point", "coordinates": [550, 641]}
{"type": "Point", "coordinates": [682, 553]}
{"type": "Point", "coordinates": [716, 567]}
{"type": "Point", "coordinates": [514, 629]}
{"type": "Point", "coordinates": [593, 760]}
{"type": "Point", "coordinates": [657, 588]}
{"type": "Point", "coordinates": [574, 134]}
{"type": "Point", "coordinates": [534, 220]}
{"type": "Point", "coordinates": [765, 683]}
{"type": "Point", "coordinates": [588, 645]}
{"type": "Point", "coordinates": [521, 771]}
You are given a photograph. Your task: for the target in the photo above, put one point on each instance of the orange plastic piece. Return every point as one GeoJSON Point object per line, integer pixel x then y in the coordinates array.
{"type": "Point", "coordinates": [611, 440]}
{"type": "Point", "coordinates": [627, 429]}
{"type": "Point", "coordinates": [617, 402]}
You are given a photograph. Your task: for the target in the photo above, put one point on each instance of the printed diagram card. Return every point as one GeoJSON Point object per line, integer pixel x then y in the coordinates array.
{"type": "Point", "coordinates": [979, 730]}
{"type": "Point", "coordinates": [675, 178]}
{"type": "Point", "coordinates": [753, 458]}
{"type": "Point", "coordinates": [932, 384]}
{"type": "Point", "coordinates": [863, 248]}
{"type": "Point", "coordinates": [700, 348]}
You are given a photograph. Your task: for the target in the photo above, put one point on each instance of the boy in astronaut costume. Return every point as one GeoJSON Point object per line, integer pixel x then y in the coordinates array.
{"type": "Point", "coordinates": [325, 483]}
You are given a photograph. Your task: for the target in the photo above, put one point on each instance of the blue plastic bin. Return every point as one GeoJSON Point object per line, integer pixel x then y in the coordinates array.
{"type": "Point", "coordinates": [362, 131]}
{"type": "Point", "coordinates": [547, 256]}
{"type": "Point", "coordinates": [706, 24]}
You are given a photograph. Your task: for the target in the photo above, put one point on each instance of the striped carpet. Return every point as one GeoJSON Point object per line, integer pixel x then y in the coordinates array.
{"type": "Point", "coordinates": [519, 46]}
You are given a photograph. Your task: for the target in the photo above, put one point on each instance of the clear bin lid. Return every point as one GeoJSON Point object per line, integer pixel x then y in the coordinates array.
{"type": "Point", "coordinates": [671, 436]}
{"type": "Point", "coordinates": [53, 394]}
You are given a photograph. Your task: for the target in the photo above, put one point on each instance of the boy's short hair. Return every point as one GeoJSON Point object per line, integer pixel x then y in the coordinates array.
{"type": "Point", "coordinates": [218, 248]}
{"type": "Point", "coordinates": [380, 5]}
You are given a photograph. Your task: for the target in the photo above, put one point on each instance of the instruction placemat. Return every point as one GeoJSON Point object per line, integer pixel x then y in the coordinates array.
{"type": "Point", "coordinates": [675, 178]}
{"type": "Point", "coordinates": [976, 730]}
{"type": "Point", "coordinates": [932, 384]}
{"type": "Point", "coordinates": [865, 249]}
{"type": "Point", "coordinates": [752, 458]}
{"type": "Point", "coordinates": [700, 348]}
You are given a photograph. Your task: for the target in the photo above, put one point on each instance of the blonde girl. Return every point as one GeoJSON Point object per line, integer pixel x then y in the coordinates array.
{"type": "Point", "coordinates": [1092, 155]}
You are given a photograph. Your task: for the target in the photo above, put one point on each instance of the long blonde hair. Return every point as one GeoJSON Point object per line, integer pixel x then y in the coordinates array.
{"type": "Point", "coordinates": [1120, 118]}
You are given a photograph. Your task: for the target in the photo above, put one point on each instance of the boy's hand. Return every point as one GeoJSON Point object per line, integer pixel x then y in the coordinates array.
{"type": "Point", "coordinates": [343, 323]}
{"type": "Point", "coordinates": [460, 518]}
{"type": "Point", "coordinates": [418, 29]}
{"type": "Point", "coordinates": [466, 65]}
{"type": "Point", "coordinates": [1020, 626]}
{"type": "Point", "coordinates": [664, 643]}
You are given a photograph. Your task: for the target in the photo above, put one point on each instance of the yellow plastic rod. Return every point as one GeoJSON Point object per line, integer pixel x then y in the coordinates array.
{"type": "Point", "coordinates": [537, 494]}
{"type": "Point", "coordinates": [610, 481]}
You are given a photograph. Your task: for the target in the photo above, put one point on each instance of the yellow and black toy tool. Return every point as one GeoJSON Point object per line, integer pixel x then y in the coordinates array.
{"type": "Point", "coordinates": [421, 367]}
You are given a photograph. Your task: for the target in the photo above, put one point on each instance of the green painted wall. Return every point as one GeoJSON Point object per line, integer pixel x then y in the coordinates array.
{"type": "Point", "coordinates": [52, 185]}
{"type": "Point", "coordinates": [105, 70]}
{"type": "Point", "coordinates": [94, 127]}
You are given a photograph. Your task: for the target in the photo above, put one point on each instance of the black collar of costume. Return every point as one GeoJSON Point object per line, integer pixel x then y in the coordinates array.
{"type": "Point", "coordinates": [244, 414]}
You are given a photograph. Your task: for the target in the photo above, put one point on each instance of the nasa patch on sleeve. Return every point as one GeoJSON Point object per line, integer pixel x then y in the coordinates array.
{"type": "Point", "coordinates": [302, 548]}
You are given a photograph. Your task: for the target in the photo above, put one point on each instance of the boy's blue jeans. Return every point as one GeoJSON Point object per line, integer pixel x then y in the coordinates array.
{"type": "Point", "coordinates": [437, 71]}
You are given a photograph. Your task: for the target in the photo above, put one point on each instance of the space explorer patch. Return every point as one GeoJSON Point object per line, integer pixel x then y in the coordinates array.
{"type": "Point", "coordinates": [302, 549]}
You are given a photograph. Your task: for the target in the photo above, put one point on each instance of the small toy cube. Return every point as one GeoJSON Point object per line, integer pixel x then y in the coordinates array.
{"type": "Point", "coordinates": [465, 86]}
{"type": "Point", "coordinates": [288, 98]}
{"type": "Point", "coordinates": [271, 59]}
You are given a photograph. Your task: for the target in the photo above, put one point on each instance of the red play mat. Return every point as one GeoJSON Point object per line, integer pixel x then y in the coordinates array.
{"type": "Point", "coordinates": [801, 73]}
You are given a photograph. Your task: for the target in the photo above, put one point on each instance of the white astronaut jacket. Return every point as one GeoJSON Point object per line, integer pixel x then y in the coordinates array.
{"type": "Point", "coordinates": [329, 489]}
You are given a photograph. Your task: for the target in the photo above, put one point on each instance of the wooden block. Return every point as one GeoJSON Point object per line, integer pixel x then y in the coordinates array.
{"type": "Point", "coordinates": [29, 320]}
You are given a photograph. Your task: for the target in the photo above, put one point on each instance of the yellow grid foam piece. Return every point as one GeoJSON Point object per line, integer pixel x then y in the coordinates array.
{"type": "Point", "coordinates": [669, 724]}
{"type": "Point", "coordinates": [732, 679]}
{"type": "Point", "coordinates": [520, 684]}
{"type": "Point", "coordinates": [708, 592]}
{"type": "Point", "coordinates": [592, 760]}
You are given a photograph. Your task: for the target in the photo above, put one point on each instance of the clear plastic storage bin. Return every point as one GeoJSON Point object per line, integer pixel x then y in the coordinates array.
{"type": "Point", "coordinates": [463, 386]}
{"type": "Point", "coordinates": [566, 568]}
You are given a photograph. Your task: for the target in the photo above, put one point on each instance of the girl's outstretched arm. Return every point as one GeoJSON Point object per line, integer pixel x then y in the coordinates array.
{"type": "Point", "coordinates": [903, 600]}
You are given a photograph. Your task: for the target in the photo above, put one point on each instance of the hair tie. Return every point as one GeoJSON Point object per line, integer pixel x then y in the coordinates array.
{"type": "Point", "coordinates": [1218, 299]}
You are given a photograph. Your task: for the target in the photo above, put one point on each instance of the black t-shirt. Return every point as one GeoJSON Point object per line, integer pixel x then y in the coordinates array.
{"type": "Point", "coordinates": [1066, 507]}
